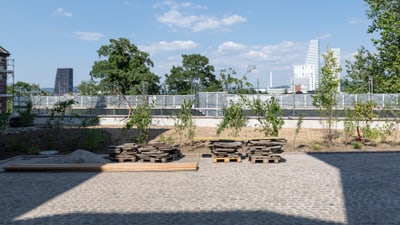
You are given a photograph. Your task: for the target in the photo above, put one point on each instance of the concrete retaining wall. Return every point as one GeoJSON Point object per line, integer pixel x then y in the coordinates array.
{"type": "Point", "coordinates": [199, 121]}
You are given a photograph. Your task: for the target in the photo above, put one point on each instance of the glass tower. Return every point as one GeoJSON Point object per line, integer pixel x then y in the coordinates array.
{"type": "Point", "coordinates": [312, 58]}
{"type": "Point", "coordinates": [64, 81]}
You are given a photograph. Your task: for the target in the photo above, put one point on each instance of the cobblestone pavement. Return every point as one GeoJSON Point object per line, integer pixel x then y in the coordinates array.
{"type": "Point", "coordinates": [361, 188]}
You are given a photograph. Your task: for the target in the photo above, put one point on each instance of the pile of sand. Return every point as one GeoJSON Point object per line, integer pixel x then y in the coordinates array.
{"type": "Point", "coordinates": [78, 156]}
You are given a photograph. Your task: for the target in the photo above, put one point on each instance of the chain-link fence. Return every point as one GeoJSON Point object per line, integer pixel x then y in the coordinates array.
{"type": "Point", "coordinates": [205, 103]}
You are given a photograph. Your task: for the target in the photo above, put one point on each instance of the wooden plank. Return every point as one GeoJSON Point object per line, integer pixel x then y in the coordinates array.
{"type": "Point", "coordinates": [108, 167]}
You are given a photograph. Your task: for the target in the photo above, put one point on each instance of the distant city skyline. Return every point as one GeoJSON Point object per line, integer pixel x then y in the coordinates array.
{"type": "Point", "coordinates": [273, 35]}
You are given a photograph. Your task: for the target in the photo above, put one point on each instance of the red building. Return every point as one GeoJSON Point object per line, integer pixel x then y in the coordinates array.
{"type": "Point", "coordinates": [3, 79]}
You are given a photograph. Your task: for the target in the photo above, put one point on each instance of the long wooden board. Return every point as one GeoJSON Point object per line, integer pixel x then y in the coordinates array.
{"type": "Point", "coordinates": [108, 167]}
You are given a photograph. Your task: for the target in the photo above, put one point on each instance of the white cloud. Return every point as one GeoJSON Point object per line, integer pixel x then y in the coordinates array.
{"type": "Point", "coordinates": [184, 15]}
{"type": "Point", "coordinates": [169, 46]}
{"type": "Point", "coordinates": [61, 12]}
{"type": "Point", "coordinates": [229, 20]}
{"type": "Point", "coordinates": [88, 36]}
{"type": "Point", "coordinates": [277, 58]}
{"type": "Point", "coordinates": [257, 55]}
{"type": "Point", "coordinates": [230, 46]}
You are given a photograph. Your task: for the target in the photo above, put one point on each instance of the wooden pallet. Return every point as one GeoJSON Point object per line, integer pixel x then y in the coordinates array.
{"type": "Point", "coordinates": [163, 159]}
{"type": "Point", "coordinates": [122, 159]}
{"type": "Point", "coordinates": [226, 159]}
{"type": "Point", "coordinates": [264, 158]}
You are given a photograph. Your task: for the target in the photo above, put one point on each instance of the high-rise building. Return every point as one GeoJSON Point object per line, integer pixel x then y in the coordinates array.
{"type": "Point", "coordinates": [306, 76]}
{"type": "Point", "coordinates": [64, 81]}
{"type": "Point", "coordinates": [3, 79]}
{"type": "Point", "coordinates": [313, 56]}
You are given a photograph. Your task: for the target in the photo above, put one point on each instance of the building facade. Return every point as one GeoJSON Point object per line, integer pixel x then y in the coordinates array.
{"type": "Point", "coordinates": [3, 79]}
{"type": "Point", "coordinates": [306, 76]}
{"type": "Point", "coordinates": [64, 81]}
{"type": "Point", "coordinates": [313, 58]}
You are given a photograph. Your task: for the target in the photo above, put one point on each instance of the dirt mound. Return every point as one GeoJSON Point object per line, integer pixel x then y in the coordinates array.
{"type": "Point", "coordinates": [76, 157]}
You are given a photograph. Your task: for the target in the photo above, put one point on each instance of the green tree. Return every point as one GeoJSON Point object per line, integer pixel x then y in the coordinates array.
{"type": "Point", "coordinates": [125, 68]}
{"type": "Point", "coordinates": [269, 115]}
{"type": "Point", "coordinates": [234, 85]}
{"type": "Point", "coordinates": [195, 74]}
{"type": "Point", "coordinates": [384, 65]}
{"type": "Point", "coordinates": [141, 118]}
{"type": "Point", "coordinates": [89, 88]}
{"type": "Point", "coordinates": [184, 122]}
{"type": "Point", "coordinates": [21, 88]}
{"type": "Point", "coordinates": [359, 73]}
{"type": "Point", "coordinates": [364, 115]}
{"type": "Point", "coordinates": [234, 118]}
{"type": "Point", "coordinates": [325, 95]}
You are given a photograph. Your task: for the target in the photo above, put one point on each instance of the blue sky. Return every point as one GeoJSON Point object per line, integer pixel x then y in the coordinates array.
{"type": "Point", "coordinates": [45, 35]}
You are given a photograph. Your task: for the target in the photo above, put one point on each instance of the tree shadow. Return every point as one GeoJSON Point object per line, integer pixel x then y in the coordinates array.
{"type": "Point", "coordinates": [371, 185]}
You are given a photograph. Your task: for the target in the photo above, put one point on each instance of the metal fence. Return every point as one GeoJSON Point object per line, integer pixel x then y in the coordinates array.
{"type": "Point", "coordinates": [205, 103]}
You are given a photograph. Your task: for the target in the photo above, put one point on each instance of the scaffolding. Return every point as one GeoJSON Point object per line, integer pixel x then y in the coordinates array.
{"type": "Point", "coordinates": [10, 74]}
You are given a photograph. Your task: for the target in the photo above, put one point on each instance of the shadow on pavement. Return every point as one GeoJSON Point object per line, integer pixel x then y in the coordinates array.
{"type": "Point", "coordinates": [190, 218]}
{"type": "Point", "coordinates": [371, 185]}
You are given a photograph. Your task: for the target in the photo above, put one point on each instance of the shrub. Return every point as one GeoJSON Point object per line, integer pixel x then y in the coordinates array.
{"type": "Point", "coordinates": [316, 146]}
{"type": "Point", "coordinates": [357, 145]}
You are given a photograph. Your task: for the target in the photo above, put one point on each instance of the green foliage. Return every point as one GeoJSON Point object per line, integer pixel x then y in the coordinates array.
{"type": "Point", "coordinates": [141, 118]}
{"type": "Point", "coordinates": [349, 125]}
{"type": "Point", "coordinates": [3, 120]}
{"type": "Point", "coordinates": [27, 116]}
{"type": "Point", "coordinates": [360, 71]}
{"type": "Point", "coordinates": [298, 128]}
{"type": "Point", "coordinates": [21, 144]}
{"type": "Point", "coordinates": [364, 112]}
{"type": "Point", "coordinates": [234, 118]}
{"type": "Point", "coordinates": [124, 69]}
{"type": "Point", "coordinates": [269, 115]}
{"type": "Point", "coordinates": [58, 112]}
{"type": "Point", "coordinates": [234, 85]}
{"type": "Point", "coordinates": [25, 89]}
{"type": "Point", "coordinates": [392, 115]}
{"type": "Point", "coordinates": [168, 140]}
{"type": "Point", "coordinates": [386, 130]}
{"type": "Point", "coordinates": [370, 133]}
{"type": "Point", "coordinates": [195, 74]}
{"type": "Point", "coordinates": [316, 146]}
{"type": "Point", "coordinates": [364, 115]}
{"type": "Point", "coordinates": [91, 88]}
{"type": "Point", "coordinates": [357, 145]}
{"type": "Point", "coordinates": [325, 96]}
{"type": "Point", "coordinates": [384, 64]}
{"type": "Point", "coordinates": [184, 121]}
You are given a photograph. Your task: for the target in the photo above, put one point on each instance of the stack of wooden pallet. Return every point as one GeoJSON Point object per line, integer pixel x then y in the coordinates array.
{"type": "Point", "coordinates": [225, 150]}
{"type": "Point", "coordinates": [265, 150]}
{"type": "Point", "coordinates": [123, 153]}
{"type": "Point", "coordinates": [158, 152]}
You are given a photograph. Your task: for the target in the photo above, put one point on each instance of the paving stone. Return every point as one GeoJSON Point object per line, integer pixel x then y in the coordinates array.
{"type": "Point", "coordinates": [360, 188]}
